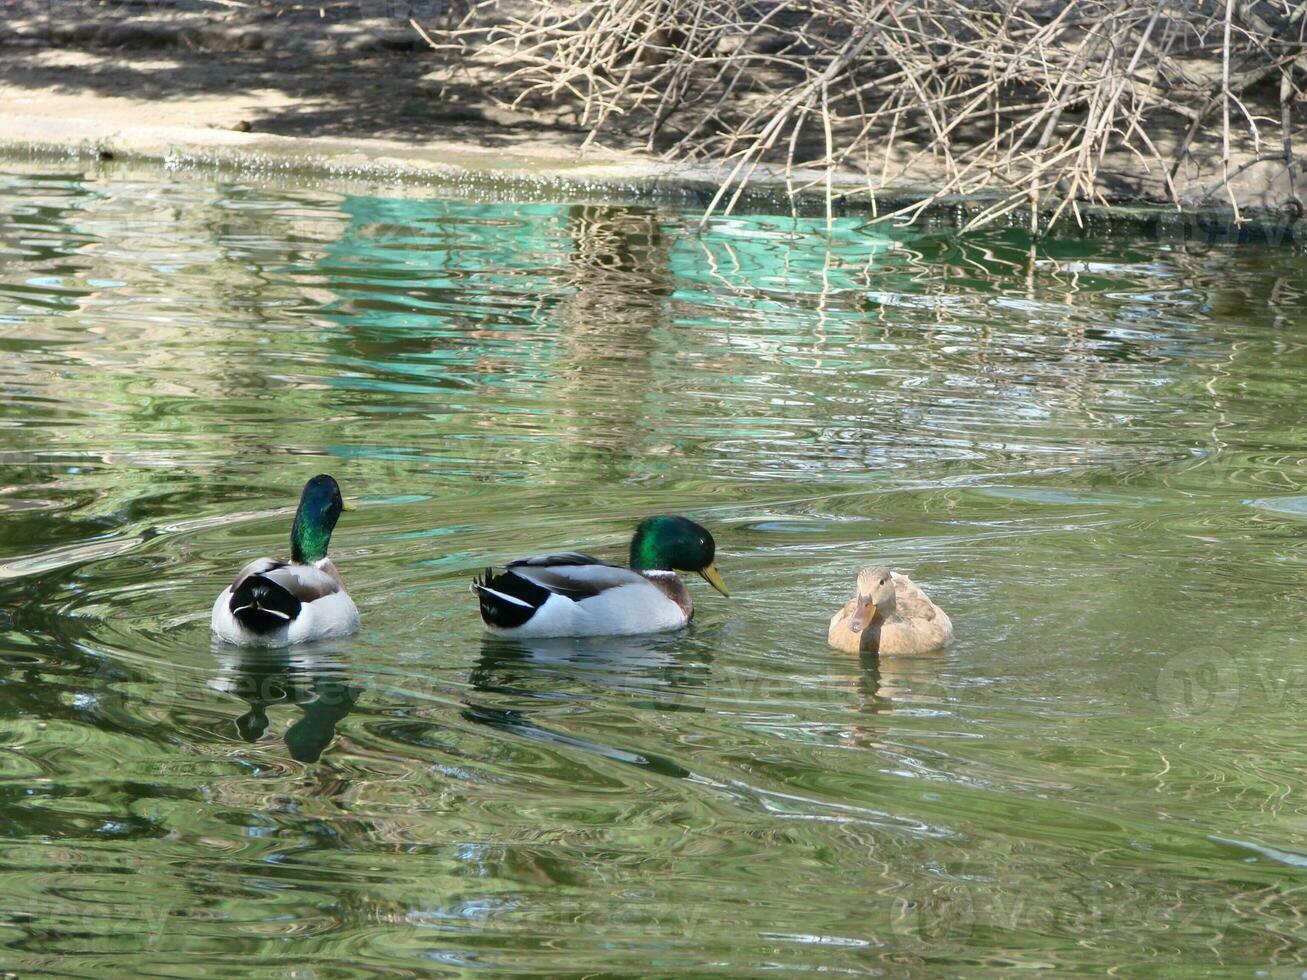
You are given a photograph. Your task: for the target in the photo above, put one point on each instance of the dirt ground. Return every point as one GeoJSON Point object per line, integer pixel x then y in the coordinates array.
{"type": "Point", "coordinates": [341, 86]}
{"type": "Point", "coordinates": [287, 69]}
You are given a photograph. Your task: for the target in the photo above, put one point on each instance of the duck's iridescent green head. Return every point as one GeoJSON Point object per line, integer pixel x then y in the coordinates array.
{"type": "Point", "coordinates": [667, 543]}
{"type": "Point", "coordinates": [320, 507]}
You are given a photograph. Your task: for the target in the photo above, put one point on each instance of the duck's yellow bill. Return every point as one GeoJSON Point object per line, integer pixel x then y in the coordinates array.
{"type": "Point", "coordinates": [348, 505]}
{"type": "Point", "coordinates": [715, 580]}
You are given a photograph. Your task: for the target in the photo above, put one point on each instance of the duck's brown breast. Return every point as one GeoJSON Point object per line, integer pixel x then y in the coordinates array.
{"type": "Point", "coordinates": [670, 585]}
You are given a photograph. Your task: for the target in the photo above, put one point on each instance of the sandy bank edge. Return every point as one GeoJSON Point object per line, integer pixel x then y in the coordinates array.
{"type": "Point", "coordinates": [531, 168]}
{"type": "Point", "coordinates": [439, 162]}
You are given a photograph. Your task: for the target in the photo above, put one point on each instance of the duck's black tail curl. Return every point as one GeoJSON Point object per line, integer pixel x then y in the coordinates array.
{"type": "Point", "coordinates": [261, 605]}
{"type": "Point", "coordinates": [507, 601]}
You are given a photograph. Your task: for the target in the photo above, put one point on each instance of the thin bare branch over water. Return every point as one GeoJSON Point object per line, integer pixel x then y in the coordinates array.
{"type": "Point", "coordinates": [1015, 103]}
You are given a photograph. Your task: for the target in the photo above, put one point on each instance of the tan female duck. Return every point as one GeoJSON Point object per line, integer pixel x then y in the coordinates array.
{"type": "Point", "coordinates": [890, 614]}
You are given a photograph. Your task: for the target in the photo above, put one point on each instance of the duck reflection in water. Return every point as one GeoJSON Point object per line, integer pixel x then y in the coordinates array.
{"type": "Point", "coordinates": [887, 680]}
{"type": "Point", "coordinates": [313, 678]}
{"type": "Point", "coordinates": [553, 668]}
{"type": "Point", "coordinates": [559, 669]}
{"type": "Point", "coordinates": [881, 685]}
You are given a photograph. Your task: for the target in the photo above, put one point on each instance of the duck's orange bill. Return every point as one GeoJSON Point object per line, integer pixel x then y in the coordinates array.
{"type": "Point", "coordinates": [862, 615]}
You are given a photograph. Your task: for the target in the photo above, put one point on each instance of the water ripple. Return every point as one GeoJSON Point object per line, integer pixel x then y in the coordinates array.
{"type": "Point", "coordinates": [1089, 450]}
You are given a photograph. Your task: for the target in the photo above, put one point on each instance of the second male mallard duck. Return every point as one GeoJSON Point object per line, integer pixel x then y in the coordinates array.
{"type": "Point", "coordinates": [277, 603]}
{"type": "Point", "coordinates": [890, 614]}
{"type": "Point", "coordinates": [571, 594]}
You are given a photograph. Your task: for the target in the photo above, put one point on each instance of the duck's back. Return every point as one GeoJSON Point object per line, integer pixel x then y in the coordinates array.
{"type": "Point", "coordinates": [918, 625]}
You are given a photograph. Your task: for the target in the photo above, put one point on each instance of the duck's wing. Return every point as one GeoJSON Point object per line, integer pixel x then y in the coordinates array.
{"type": "Point", "coordinates": [561, 558]}
{"type": "Point", "coordinates": [510, 598]}
{"type": "Point", "coordinates": [256, 567]}
{"type": "Point", "coordinates": [573, 575]}
{"type": "Point", "coordinates": [304, 582]}
{"type": "Point", "coordinates": [913, 604]}
{"type": "Point", "coordinates": [307, 583]}
{"type": "Point", "coordinates": [919, 626]}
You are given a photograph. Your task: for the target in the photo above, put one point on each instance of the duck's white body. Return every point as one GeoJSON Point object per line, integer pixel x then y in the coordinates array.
{"type": "Point", "coordinates": [325, 608]}
{"type": "Point", "coordinates": [634, 607]}
{"type": "Point", "coordinates": [915, 625]}
{"type": "Point", "coordinates": [576, 595]}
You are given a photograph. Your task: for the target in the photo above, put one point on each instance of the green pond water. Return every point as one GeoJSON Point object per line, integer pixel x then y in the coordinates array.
{"type": "Point", "coordinates": [1091, 451]}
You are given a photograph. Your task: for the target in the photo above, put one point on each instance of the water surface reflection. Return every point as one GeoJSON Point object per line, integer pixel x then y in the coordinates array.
{"type": "Point", "coordinates": [1089, 450]}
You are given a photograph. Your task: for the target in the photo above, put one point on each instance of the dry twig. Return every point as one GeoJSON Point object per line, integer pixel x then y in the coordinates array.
{"type": "Point", "coordinates": [1018, 101]}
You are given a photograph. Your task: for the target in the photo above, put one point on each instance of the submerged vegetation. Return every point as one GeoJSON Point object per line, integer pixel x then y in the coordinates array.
{"type": "Point", "coordinates": [1025, 104]}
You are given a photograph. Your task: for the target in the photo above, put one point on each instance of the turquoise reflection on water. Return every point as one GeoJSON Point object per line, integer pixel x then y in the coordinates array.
{"type": "Point", "coordinates": [1088, 449]}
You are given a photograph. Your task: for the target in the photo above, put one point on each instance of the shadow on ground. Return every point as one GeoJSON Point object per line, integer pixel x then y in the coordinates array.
{"type": "Point", "coordinates": [340, 68]}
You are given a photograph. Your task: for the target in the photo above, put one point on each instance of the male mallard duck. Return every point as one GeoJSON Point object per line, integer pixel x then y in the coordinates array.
{"type": "Point", "coordinates": [575, 595]}
{"type": "Point", "coordinates": [276, 603]}
{"type": "Point", "coordinates": [890, 614]}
